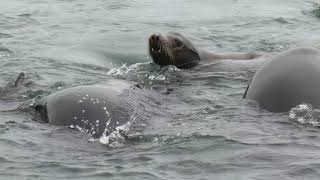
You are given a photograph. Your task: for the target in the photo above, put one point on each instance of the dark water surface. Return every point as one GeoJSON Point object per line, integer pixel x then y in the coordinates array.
{"type": "Point", "coordinates": [201, 127]}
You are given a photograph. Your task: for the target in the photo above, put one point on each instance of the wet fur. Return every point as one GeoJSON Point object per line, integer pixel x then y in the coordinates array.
{"type": "Point", "coordinates": [165, 51]}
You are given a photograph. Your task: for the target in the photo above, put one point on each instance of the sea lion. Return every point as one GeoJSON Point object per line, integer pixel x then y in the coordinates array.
{"type": "Point", "coordinates": [12, 84]}
{"type": "Point", "coordinates": [16, 88]}
{"type": "Point", "coordinates": [174, 49]}
{"type": "Point", "coordinates": [96, 109]}
{"type": "Point", "coordinates": [286, 80]}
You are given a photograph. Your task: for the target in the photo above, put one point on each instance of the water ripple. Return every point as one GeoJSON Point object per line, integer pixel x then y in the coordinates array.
{"type": "Point", "coordinates": [3, 35]}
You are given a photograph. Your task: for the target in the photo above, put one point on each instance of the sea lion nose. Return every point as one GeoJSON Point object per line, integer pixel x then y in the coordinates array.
{"type": "Point", "coordinates": [155, 37]}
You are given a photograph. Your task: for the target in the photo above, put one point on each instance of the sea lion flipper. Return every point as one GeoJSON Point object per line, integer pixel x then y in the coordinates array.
{"type": "Point", "coordinates": [19, 79]}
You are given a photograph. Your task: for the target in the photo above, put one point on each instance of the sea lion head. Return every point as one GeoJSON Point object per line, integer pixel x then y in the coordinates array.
{"type": "Point", "coordinates": [173, 49]}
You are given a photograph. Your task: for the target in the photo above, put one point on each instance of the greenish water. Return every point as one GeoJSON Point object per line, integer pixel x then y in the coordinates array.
{"type": "Point", "coordinates": [317, 12]}
{"type": "Point", "coordinates": [201, 128]}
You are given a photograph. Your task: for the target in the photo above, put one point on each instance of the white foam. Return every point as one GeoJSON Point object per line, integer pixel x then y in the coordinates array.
{"type": "Point", "coordinates": [79, 128]}
{"type": "Point", "coordinates": [173, 69]}
{"type": "Point", "coordinates": [116, 138]}
{"type": "Point", "coordinates": [119, 72]}
{"type": "Point", "coordinates": [159, 77]}
{"type": "Point", "coordinates": [305, 114]}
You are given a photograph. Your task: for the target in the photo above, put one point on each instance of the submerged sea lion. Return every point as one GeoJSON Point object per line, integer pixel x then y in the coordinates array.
{"type": "Point", "coordinates": [96, 109]}
{"type": "Point", "coordinates": [286, 80]}
{"type": "Point", "coordinates": [13, 84]}
{"type": "Point", "coordinates": [174, 49]}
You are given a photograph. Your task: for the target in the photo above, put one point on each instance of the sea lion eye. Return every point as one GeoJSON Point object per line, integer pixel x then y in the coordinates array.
{"type": "Point", "coordinates": [178, 42]}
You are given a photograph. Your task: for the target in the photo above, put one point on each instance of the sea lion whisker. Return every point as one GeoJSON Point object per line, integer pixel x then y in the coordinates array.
{"type": "Point", "coordinates": [167, 51]}
{"type": "Point", "coordinates": [163, 48]}
{"type": "Point", "coordinates": [170, 55]}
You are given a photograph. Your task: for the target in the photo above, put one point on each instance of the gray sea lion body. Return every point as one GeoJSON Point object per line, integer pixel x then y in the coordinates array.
{"type": "Point", "coordinates": [96, 109]}
{"type": "Point", "coordinates": [286, 80]}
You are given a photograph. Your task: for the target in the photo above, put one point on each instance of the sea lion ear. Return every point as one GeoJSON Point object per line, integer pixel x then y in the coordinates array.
{"type": "Point", "coordinates": [190, 59]}
{"type": "Point", "coordinates": [194, 50]}
{"type": "Point", "coordinates": [188, 44]}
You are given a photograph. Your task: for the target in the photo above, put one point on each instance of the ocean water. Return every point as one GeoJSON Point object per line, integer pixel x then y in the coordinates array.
{"type": "Point", "coordinates": [199, 127]}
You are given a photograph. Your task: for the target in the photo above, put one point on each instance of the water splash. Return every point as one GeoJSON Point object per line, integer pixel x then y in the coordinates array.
{"type": "Point", "coordinates": [305, 114]}
{"type": "Point", "coordinates": [146, 73]}
{"type": "Point", "coordinates": [127, 70]}
{"type": "Point", "coordinates": [120, 72]}
{"type": "Point", "coordinates": [117, 137]}
{"type": "Point", "coordinates": [159, 77]}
